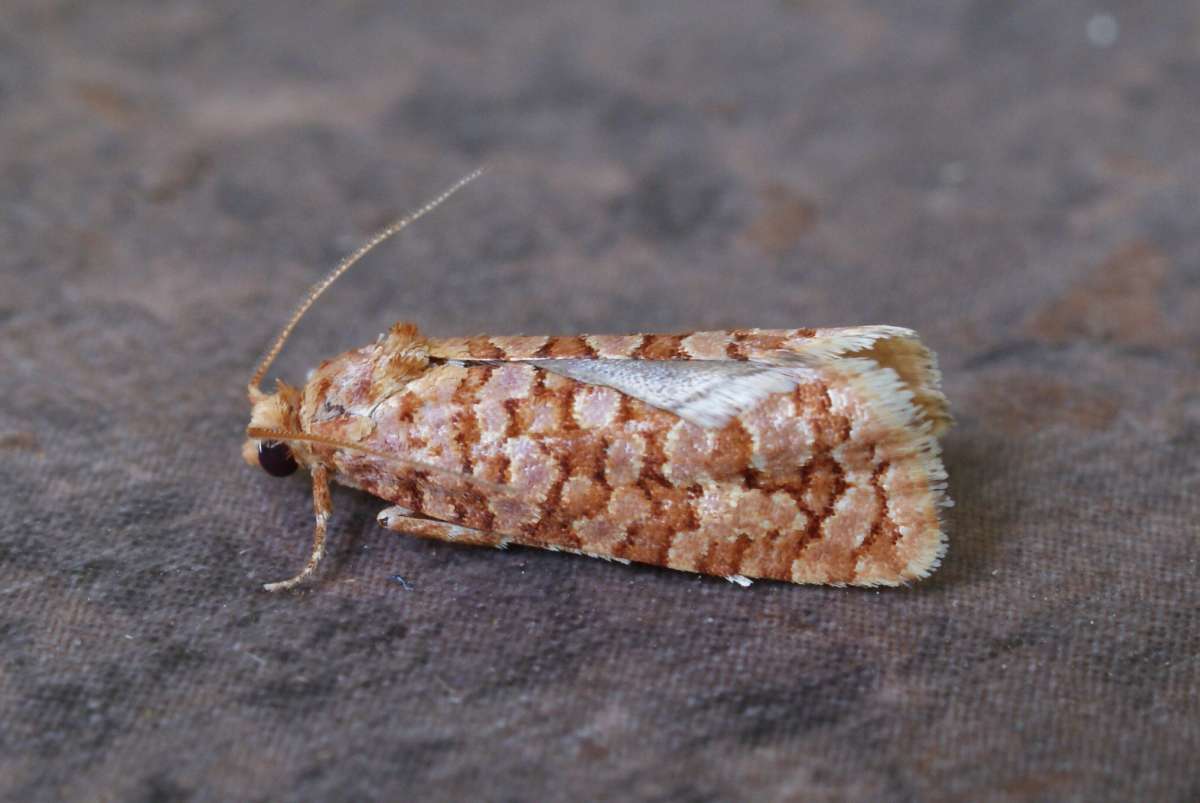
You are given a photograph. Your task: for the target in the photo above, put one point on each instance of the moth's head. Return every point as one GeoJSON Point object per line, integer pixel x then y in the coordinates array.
{"type": "Point", "coordinates": [273, 411]}
{"type": "Point", "coordinates": [278, 412]}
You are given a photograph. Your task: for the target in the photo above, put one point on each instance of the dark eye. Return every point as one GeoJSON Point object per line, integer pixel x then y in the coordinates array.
{"type": "Point", "coordinates": [276, 458]}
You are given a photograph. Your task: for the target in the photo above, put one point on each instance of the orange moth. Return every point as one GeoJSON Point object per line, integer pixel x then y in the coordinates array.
{"type": "Point", "coordinates": [803, 455]}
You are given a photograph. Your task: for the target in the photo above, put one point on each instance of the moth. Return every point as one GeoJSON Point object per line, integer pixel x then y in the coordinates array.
{"type": "Point", "coordinates": [802, 455]}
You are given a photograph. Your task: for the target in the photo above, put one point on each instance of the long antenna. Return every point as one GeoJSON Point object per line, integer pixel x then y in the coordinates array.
{"type": "Point", "coordinates": [320, 287]}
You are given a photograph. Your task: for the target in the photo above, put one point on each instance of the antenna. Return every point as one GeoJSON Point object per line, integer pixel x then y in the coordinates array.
{"type": "Point", "coordinates": [345, 265]}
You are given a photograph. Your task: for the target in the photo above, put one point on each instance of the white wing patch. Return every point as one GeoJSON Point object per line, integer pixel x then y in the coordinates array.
{"type": "Point", "coordinates": [705, 392]}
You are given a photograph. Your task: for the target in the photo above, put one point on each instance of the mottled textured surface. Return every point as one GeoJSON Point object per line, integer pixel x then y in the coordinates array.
{"type": "Point", "coordinates": [830, 475]}
{"type": "Point", "coordinates": [1016, 185]}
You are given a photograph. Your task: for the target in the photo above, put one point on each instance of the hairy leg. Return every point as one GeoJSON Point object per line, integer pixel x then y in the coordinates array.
{"type": "Point", "coordinates": [401, 520]}
{"type": "Point", "coordinates": [322, 508]}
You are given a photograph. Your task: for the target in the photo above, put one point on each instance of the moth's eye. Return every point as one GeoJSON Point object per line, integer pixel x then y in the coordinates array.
{"type": "Point", "coordinates": [276, 458]}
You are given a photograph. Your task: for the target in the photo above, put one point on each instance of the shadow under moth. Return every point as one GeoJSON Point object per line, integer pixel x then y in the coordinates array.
{"type": "Point", "coordinates": [804, 455]}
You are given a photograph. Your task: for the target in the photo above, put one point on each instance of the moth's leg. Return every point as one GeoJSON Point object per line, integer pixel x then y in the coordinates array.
{"type": "Point", "coordinates": [322, 508]}
{"type": "Point", "coordinates": [401, 520]}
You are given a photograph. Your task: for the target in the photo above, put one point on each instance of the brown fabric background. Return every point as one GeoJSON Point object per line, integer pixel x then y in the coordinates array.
{"type": "Point", "coordinates": [173, 175]}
